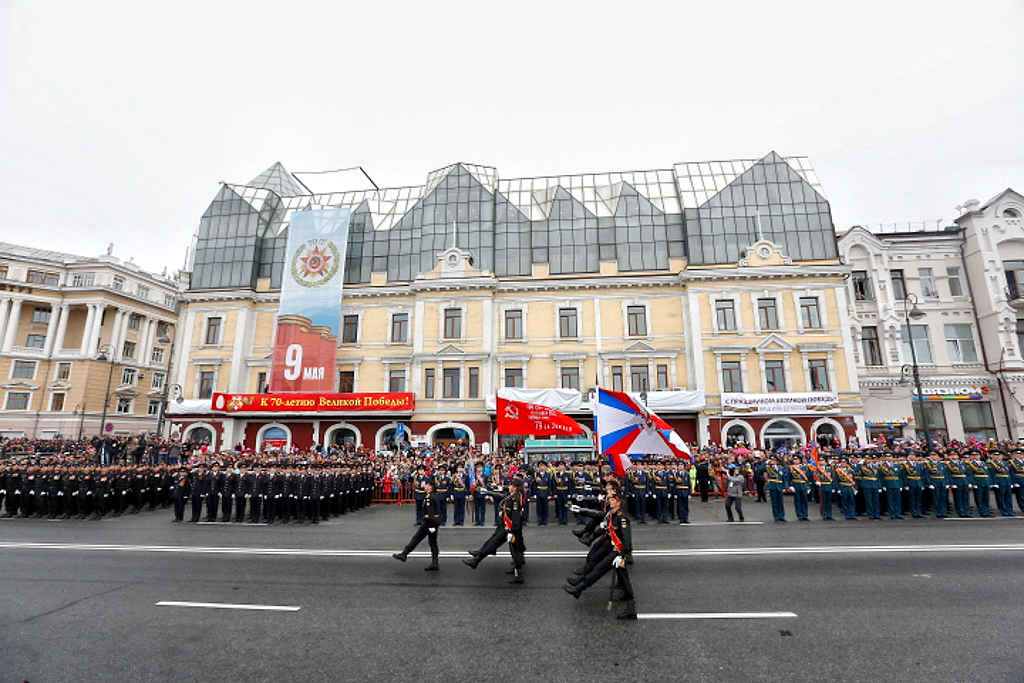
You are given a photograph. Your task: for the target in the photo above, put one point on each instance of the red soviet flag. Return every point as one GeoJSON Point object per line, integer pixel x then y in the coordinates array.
{"type": "Point", "coordinates": [532, 419]}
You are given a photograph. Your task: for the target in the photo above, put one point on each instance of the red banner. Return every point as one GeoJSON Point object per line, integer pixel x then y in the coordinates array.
{"type": "Point", "coordinates": [304, 356]}
{"type": "Point", "coordinates": [314, 403]}
{"type": "Point", "coordinates": [531, 419]}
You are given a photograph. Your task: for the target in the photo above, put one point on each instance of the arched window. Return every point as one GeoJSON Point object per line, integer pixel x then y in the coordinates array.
{"type": "Point", "coordinates": [782, 432]}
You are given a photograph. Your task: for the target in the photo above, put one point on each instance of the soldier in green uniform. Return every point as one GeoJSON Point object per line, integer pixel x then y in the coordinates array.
{"type": "Point", "coordinates": [936, 474]}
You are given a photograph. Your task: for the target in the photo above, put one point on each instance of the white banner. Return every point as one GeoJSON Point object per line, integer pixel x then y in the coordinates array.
{"type": "Point", "coordinates": [816, 403]}
{"type": "Point", "coordinates": [562, 400]}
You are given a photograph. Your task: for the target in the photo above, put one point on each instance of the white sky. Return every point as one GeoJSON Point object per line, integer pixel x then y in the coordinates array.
{"type": "Point", "coordinates": [118, 119]}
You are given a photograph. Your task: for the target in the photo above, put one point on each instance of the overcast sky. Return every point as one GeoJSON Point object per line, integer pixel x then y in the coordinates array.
{"type": "Point", "coordinates": [119, 119]}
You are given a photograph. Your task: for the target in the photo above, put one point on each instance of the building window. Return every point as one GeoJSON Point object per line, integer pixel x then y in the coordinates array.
{"type": "Point", "coordinates": [725, 315]}
{"type": "Point", "coordinates": [158, 381]}
{"type": "Point", "coordinates": [261, 382]}
{"type": "Point", "coordinates": [638, 378]}
{"type": "Point", "coordinates": [474, 382]}
{"type": "Point", "coordinates": [1020, 336]}
{"type": "Point", "coordinates": [154, 407]}
{"type": "Point", "coordinates": [64, 371]}
{"type": "Point", "coordinates": [662, 372]}
{"type": "Point", "coordinates": [124, 405]}
{"type": "Point", "coordinates": [767, 314]}
{"type": "Point", "coordinates": [349, 329]}
{"type": "Point", "coordinates": [571, 377]}
{"type": "Point", "coordinates": [206, 380]}
{"type": "Point", "coordinates": [168, 300]}
{"type": "Point", "coordinates": [428, 382]}
{"type": "Point", "coordinates": [158, 354]}
{"type": "Point", "coordinates": [636, 317]}
{"type": "Point", "coordinates": [17, 400]}
{"type": "Point", "coordinates": [451, 382]}
{"type": "Point", "coordinates": [134, 321]}
{"type": "Point", "coordinates": [3, 272]}
{"type": "Point", "coordinates": [396, 381]}
{"type": "Point", "coordinates": [57, 402]}
{"type": "Point", "coordinates": [616, 378]}
{"type": "Point", "coordinates": [118, 283]}
{"type": "Point", "coordinates": [399, 328]}
{"type": "Point", "coordinates": [143, 291]}
{"type": "Point", "coordinates": [976, 417]}
{"type": "Point", "coordinates": [35, 341]}
{"type": "Point", "coordinates": [862, 286]}
{"type": "Point", "coordinates": [818, 368]}
{"type": "Point", "coordinates": [346, 381]}
{"type": "Point", "coordinates": [41, 315]}
{"type": "Point", "coordinates": [129, 349]}
{"type": "Point", "coordinates": [960, 344]}
{"type": "Point", "coordinates": [810, 316]}
{"type": "Point", "coordinates": [732, 378]}
{"type": "Point", "coordinates": [936, 418]}
{"type": "Point", "coordinates": [923, 349]}
{"type": "Point", "coordinates": [899, 285]}
{"type": "Point", "coordinates": [774, 376]}
{"type": "Point", "coordinates": [514, 324]}
{"type": "Point", "coordinates": [453, 323]}
{"type": "Point", "coordinates": [213, 326]}
{"type": "Point", "coordinates": [956, 287]}
{"type": "Point", "coordinates": [928, 289]}
{"type": "Point", "coordinates": [1014, 278]}
{"type": "Point", "coordinates": [82, 279]}
{"type": "Point", "coordinates": [870, 346]}
{"type": "Point", "coordinates": [1011, 214]}
{"type": "Point", "coordinates": [567, 323]}
{"type": "Point", "coordinates": [23, 369]}
{"type": "Point", "coordinates": [514, 378]}
{"type": "Point", "coordinates": [128, 376]}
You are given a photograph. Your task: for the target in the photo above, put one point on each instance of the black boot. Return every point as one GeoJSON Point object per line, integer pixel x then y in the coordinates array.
{"type": "Point", "coordinates": [471, 562]}
{"type": "Point", "coordinates": [629, 612]}
{"type": "Point", "coordinates": [579, 572]}
{"type": "Point", "coordinates": [574, 581]}
{"type": "Point", "coordinates": [433, 565]}
{"type": "Point", "coordinates": [399, 556]}
{"type": "Point", "coordinates": [574, 591]}
{"type": "Point", "coordinates": [578, 533]}
{"type": "Point", "coordinates": [518, 578]}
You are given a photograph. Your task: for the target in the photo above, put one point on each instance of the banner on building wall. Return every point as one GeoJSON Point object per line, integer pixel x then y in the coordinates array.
{"type": "Point", "coordinates": [309, 315]}
{"type": "Point", "coordinates": [814, 403]}
{"type": "Point", "coordinates": [397, 402]}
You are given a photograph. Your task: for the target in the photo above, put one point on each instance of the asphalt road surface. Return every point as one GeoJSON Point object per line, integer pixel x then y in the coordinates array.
{"type": "Point", "coordinates": [911, 600]}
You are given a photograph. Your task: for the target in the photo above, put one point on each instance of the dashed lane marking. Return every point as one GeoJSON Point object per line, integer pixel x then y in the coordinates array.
{"type": "Point", "coordinates": [224, 605]}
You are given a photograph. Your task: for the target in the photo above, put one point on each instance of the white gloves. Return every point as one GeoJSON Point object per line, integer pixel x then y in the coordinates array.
{"type": "Point", "coordinates": [619, 561]}
{"type": "Point", "coordinates": [432, 529]}
{"type": "Point", "coordinates": [509, 537]}
{"type": "Point", "coordinates": [574, 508]}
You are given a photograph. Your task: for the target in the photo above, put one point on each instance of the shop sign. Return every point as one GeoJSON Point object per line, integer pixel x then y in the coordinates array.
{"type": "Point", "coordinates": [814, 403]}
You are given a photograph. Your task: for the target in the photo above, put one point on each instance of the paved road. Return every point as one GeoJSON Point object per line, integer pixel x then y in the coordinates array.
{"type": "Point", "coordinates": [912, 600]}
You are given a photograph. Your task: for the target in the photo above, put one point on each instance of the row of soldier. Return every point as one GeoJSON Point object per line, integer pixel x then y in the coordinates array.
{"type": "Point", "coordinates": [259, 493]}
{"type": "Point", "coordinates": [900, 481]}
{"type": "Point", "coordinates": [81, 491]}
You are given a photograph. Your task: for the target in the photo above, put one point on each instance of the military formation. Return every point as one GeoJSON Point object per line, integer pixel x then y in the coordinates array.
{"type": "Point", "coordinates": [66, 491]}
{"type": "Point", "coordinates": [897, 484]}
{"type": "Point", "coordinates": [267, 492]}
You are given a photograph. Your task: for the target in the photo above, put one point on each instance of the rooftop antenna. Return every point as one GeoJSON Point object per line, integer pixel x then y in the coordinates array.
{"type": "Point", "coordinates": [760, 233]}
{"type": "Point", "coordinates": [110, 249]}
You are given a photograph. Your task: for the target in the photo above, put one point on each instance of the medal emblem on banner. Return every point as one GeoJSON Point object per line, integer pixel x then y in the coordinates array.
{"type": "Point", "coordinates": [315, 262]}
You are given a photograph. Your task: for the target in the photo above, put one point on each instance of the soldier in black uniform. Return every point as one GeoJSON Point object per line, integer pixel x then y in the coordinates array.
{"type": "Point", "coordinates": [510, 529]}
{"type": "Point", "coordinates": [200, 488]}
{"type": "Point", "coordinates": [620, 534]}
{"type": "Point", "coordinates": [428, 529]}
{"type": "Point", "coordinates": [228, 494]}
{"type": "Point", "coordinates": [215, 484]}
{"type": "Point", "coordinates": [182, 490]}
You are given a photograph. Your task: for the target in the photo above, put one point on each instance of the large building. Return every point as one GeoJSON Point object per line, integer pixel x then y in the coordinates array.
{"type": "Point", "coordinates": [965, 280]}
{"type": "Point", "coordinates": [80, 344]}
{"type": "Point", "coordinates": [714, 288]}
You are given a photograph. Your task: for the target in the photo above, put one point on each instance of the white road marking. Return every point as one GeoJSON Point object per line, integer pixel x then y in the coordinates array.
{"type": "Point", "coordinates": [719, 615]}
{"type": "Point", "coordinates": [670, 552]}
{"type": "Point", "coordinates": [981, 519]}
{"type": "Point", "coordinates": [224, 605]}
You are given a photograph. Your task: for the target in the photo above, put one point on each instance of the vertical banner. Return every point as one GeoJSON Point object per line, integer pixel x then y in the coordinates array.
{"type": "Point", "coordinates": [306, 344]}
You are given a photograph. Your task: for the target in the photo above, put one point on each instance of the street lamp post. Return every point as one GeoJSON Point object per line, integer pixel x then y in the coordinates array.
{"type": "Point", "coordinates": [106, 348]}
{"type": "Point", "coordinates": [164, 339]}
{"type": "Point", "coordinates": [912, 312]}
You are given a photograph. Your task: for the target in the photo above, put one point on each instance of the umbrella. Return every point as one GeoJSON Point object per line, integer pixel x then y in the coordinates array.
{"type": "Point", "coordinates": [741, 451]}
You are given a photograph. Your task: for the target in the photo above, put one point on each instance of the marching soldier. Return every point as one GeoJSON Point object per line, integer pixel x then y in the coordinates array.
{"type": "Point", "coordinates": [428, 529]}
{"type": "Point", "coordinates": [511, 531]}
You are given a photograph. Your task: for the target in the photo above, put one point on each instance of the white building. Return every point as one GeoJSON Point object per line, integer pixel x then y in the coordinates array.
{"type": "Point", "coordinates": [963, 278]}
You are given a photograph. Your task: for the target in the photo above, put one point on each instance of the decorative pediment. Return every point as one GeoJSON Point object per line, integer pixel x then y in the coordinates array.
{"type": "Point", "coordinates": [127, 392]}
{"type": "Point", "coordinates": [20, 385]}
{"type": "Point", "coordinates": [774, 344]}
{"type": "Point", "coordinates": [640, 347]}
{"type": "Point", "coordinates": [450, 350]}
{"type": "Point", "coordinates": [764, 253]}
{"type": "Point", "coordinates": [59, 385]}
